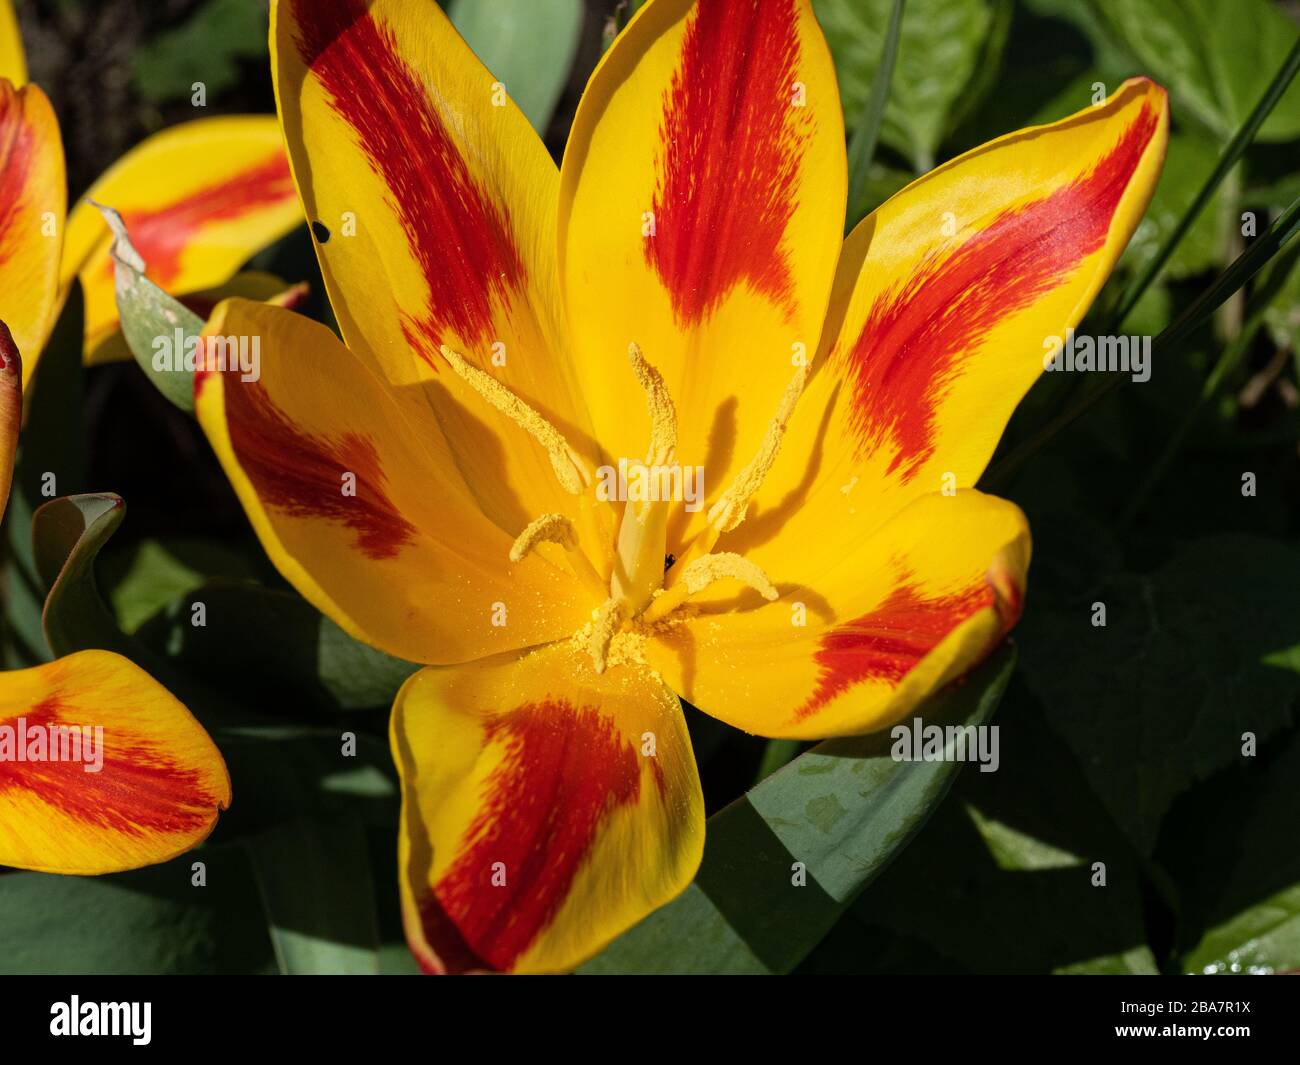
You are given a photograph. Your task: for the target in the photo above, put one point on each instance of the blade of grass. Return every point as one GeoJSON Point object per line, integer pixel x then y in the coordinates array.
{"type": "Point", "coordinates": [1243, 268]}
{"type": "Point", "coordinates": [1231, 154]}
{"type": "Point", "coordinates": [866, 133]}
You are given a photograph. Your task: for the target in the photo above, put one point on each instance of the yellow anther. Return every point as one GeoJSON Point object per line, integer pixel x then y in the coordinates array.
{"type": "Point", "coordinates": [604, 626]}
{"type": "Point", "coordinates": [663, 415]}
{"type": "Point", "coordinates": [705, 571]}
{"type": "Point", "coordinates": [569, 468]}
{"type": "Point", "coordinates": [729, 511]}
{"type": "Point", "coordinates": [557, 529]}
{"type": "Point", "coordinates": [549, 528]}
{"type": "Point", "coordinates": [711, 568]}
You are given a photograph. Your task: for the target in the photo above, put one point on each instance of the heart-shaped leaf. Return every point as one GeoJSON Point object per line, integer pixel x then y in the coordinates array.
{"type": "Point", "coordinates": [948, 55]}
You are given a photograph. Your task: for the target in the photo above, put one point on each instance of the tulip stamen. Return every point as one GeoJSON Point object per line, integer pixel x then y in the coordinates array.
{"type": "Point", "coordinates": [557, 529]}
{"type": "Point", "coordinates": [733, 505]}
{"type": "Point", "coordinates": [569, 468]}
{"type": "Point", "coordinates": [663, 415]}
{"type": "Point", "coordinates": [605, 625]}
{"type": "Point", "coordinates": [730, 509]}
{"type": "Point", "coordinates": [706, 571]}
{"type": "Point", "coordinates": [639, 563]}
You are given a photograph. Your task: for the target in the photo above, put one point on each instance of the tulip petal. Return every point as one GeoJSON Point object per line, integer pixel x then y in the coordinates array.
{"type": "Point", "coordinates": [433, 205]}
{"type": "Point", "coordinates": [545, 809]}
{"type": "Point", "coordinates": [144, 789]}
{"type": "Point", "coordinates": [13, 64]}
{"type": "Point", "coordinates": [199, 199]}
{"type": "Point", "coordinates": [945, 300]}
{"type": "Point", "coordinates": [921, 600]}
{"type": "Point", "coordinates": [701, 211]}
{"type": "Point", "coordinates": [11, 410]}
{"type": "Point", "coordinates": [362, 509]}
{"type": "Point", "coordinates": [32, 205]}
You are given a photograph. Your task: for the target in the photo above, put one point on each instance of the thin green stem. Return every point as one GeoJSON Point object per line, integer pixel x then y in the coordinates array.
{"type": "Point", "coordinates": [866, 134]}
{"type": "Point", "coordinates": [1231, 154]}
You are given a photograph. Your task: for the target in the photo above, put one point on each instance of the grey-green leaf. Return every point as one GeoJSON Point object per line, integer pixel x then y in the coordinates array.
{"type": "Point", "coordinates": [67, 535]}
{"type": "Point", "coordinates": [153, 323]}
{"type": "Point", "coordinates": [1021, 848]}
{"type": "Point", "coordinates": [150, 921]}
{"type": "Point", "coordinates": [319, 897]}
{"type": "Point", "coordinates": [51, 460]}
{"type": "Point", "coordinates": [840, 813]}
{"type": "Point", "coordinates": [528, 46]}
{"type": "Point", "coordinates": [262, 643]}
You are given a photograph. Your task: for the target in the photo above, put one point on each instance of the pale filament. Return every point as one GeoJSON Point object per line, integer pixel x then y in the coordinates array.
{"type": "Point", "coordinates": [635, 587]}
{"type": "Point", "coordinates": [569, 468]}
{"type": "Point", "coordinates": [704, 572]}
{"type": "Point", "coordinates": [557, 529]}
{"type": "Point", "coordinates": [733, 505]}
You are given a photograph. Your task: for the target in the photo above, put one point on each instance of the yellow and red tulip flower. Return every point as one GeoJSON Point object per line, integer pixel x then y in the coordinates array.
{"type": "Point", "coordinates": [160, 781]}
{"type": "Point", "coordinates": [144, 782]}
{"type": "Point", "coordinates": [13, 64]}
{"type": "Point", "coordinates": [511, 330]}
{"type": "Point", "coordinates": [198, 198]}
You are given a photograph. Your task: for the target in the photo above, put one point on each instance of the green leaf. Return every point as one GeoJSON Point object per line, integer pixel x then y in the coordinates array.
{"type": "Point", "coordinates": [529, 47]}
{"type": "Point", "coordinates": [1001, 880]}
{"type": "Point", "coordinates": [255, 645]}
{"type": "Point", "coordinates": [67, 535]}
{"type": "Point", "coordinates": [1233, 846]}
{"type": "Point", "coordinates": [151, 921]}
{"type": "Point", "coordinates": [1216, 58]}
{"type": "Point", "coordinates": [1282, 316]}
{"type": "Point", "coordinates": [866, 132]}
{"type": "Point", "coordinates": [288, 772]}
{"type": "Point", "coordinates": [149, 575]}
{"type": "Point", "coordinates": [207, 47]}
{"type": "Point", "coordinates": [51, 460]}
{"type": "Point", "coordinates": [1191, 656]}
{"type": "Point", "coordinates": [149, 315]}
{"type": "Point", "coordinates": [948, 53]}
{"type": "Point", "coordinates": [314, 877]}
{"type": "Point", "coordinates": [843, 809]}
{"type": "Point", "coordinates": [1189, 163]}
{"type": "Point", "coordinates": [261, 643]}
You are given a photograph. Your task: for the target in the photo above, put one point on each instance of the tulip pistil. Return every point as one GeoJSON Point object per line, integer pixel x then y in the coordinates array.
{"type": "Point", "coordinates": [636, 591]}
